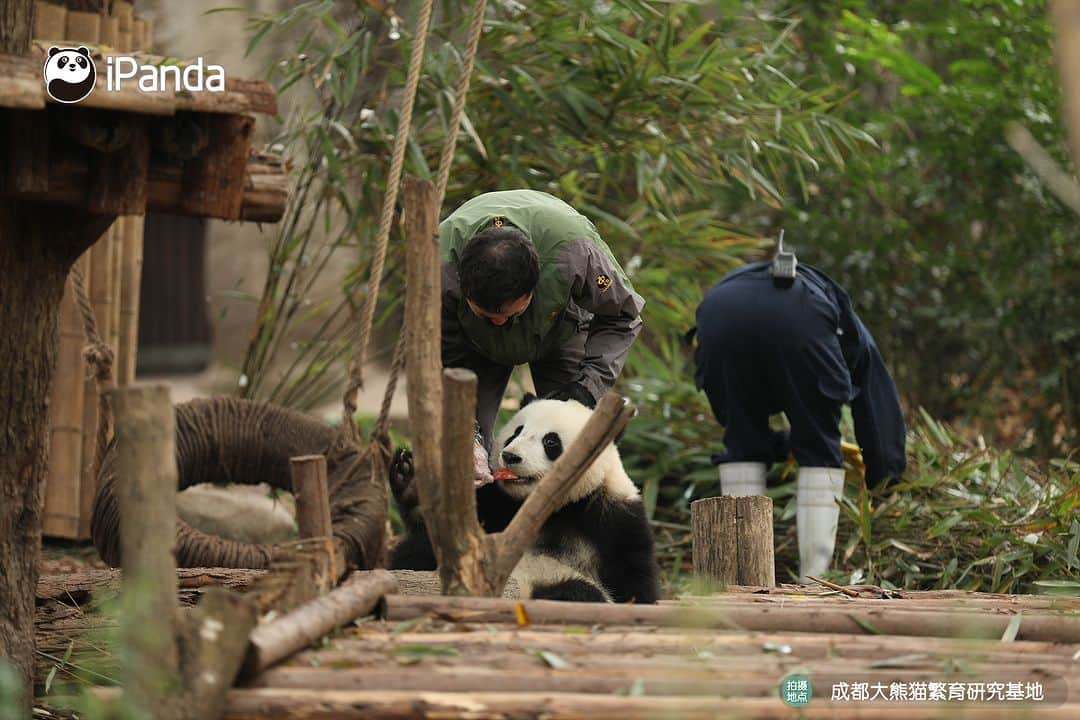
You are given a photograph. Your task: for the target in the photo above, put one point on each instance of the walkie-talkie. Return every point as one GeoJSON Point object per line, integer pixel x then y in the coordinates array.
{"type": "Point", "coordinates": [784, 264]}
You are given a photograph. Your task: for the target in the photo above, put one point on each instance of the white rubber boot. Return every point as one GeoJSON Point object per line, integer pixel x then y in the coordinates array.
{"type": "Point", "coordinates": [742, 478]}
{"type": "Point", "coordinates": [816, 517]}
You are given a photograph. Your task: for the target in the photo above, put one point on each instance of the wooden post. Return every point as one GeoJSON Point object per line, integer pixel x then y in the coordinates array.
{"type": "Point", "coordinates": [1066, 22]}
{"type": "Point", "coordinates": [458, 538]}
{"type": "Point", "coordinates": [147, 479]}
{"type": "Point", "coordinates": [423, 332]}
{"type": "Point", "coordinates": [733, 540]}
{"type": "Point", "coordinates": [309, 488]}
{"type": "Point", "coordinates": [131, 280]}
{"type": "Point", "coordinates": [125, 13]}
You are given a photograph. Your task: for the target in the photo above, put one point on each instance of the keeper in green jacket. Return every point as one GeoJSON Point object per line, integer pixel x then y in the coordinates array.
{"type": "Point", "coordinates": [526, 279]}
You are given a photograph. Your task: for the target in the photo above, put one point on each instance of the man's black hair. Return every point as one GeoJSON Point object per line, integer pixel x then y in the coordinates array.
{"type": "Point", "coordinates": [497, 266]}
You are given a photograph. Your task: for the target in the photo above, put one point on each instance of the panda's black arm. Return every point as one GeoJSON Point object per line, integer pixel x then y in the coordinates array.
{"type": "Point", "coordinates": [494, 508]}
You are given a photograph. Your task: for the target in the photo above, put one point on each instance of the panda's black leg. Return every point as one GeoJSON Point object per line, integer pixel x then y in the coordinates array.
{"type": "Point", "coordinates": [575, 590]}
{"type": "Point", "coordinates": [401, 475]}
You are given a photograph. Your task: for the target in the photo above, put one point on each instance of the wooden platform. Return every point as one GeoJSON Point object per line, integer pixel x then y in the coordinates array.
{"type": "Point", "coordinates": [697, 657]}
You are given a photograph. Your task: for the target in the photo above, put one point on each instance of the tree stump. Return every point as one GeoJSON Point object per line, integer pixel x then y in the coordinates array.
{"type": "Point", "coordinates": [733, 540]}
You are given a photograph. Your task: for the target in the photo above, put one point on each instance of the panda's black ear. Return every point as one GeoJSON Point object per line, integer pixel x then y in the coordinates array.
{"type": "Point", "coordinates": [53, 51]}
{"type": "Point", "coordinates": [84, 51]}
{"type": "Point", "coordinates": [528, 398]}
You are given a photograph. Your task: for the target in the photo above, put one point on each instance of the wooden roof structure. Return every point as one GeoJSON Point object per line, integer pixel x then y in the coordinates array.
{"type": "Point", "coordinates": [125, 151]}
{"type": "Point", "coordinates": [722, 655]}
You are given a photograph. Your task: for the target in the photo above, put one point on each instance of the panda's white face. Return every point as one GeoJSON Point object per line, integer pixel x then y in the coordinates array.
{"type": "Point", "coordinates": [531, 442]}
{"type": "Point", "coordinates": [68, 65]}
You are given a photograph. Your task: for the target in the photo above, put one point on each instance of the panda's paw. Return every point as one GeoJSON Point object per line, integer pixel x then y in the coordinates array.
{"type": "Point", "coordinates": [402, 472]}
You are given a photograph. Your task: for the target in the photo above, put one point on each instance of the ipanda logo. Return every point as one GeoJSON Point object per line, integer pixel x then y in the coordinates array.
{"type": "Point", "coordinates": [70, 75]}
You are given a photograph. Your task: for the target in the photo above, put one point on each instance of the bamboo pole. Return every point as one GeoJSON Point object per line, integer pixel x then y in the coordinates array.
{"type": "Point", "coordinates": [733, 540]}
{"type": "Point", "coordinates": [887, 620]}
{"type": "Point", "coordinates": [62, 488]}
{"type": "Point", "coordinates": [131, 281]}
{"type": "Point", "coordinates": [116, 276]}
{"type": "Point", "coordinates": [278, 639]}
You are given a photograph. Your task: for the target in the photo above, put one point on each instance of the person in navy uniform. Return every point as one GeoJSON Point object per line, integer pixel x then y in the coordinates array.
{"type": "Point", "coordinates": [797, 347]}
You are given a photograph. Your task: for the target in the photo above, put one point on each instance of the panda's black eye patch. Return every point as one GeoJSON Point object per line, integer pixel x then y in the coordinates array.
{"type": "Point", "coordinates": [63, 60]}
{"type": "Point", "coordinates": [552, 445]}
{"type": "Point", "coordinates": [81, 61]}
{"type": "Point", "coordinates": [516, 433]}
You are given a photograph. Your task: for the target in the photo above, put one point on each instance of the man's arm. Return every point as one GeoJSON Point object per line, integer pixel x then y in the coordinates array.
{"type": "Point", "coordinates": [600, 286]}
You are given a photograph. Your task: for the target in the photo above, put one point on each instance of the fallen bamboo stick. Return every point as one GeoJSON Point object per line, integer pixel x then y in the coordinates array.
{"type": "Point", "coordinates": [277, 639]}
{"type": "Point", "coordinates": [885, 621]}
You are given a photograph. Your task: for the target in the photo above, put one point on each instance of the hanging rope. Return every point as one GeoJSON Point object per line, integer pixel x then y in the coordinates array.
{"type": "Point", "coordinates": [382, 238]}
{"type": "Point", "coordinates": [446, 159]}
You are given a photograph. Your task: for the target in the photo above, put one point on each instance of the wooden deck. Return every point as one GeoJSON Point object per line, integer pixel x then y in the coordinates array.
{"type": "Point", "coordinates": [722, 655]}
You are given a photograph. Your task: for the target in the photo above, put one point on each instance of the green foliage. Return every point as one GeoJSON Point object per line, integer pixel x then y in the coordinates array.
{"type": "Point", "coordinates": [653, 120]}
{"type": "Point", "coordinates": [963, 266]}
{"type": "Point", "coordinates": [10, 691]}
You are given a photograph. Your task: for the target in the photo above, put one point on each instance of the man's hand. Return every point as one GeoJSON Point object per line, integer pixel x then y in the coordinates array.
{"type": "Point", "coordinates": [481, 469]}
{"type": "Point", "coordinates": [572, 391]}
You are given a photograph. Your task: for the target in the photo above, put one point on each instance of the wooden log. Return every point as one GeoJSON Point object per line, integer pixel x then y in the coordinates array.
{"type": "Point", "coordinates": [213, 643]}
{"type": "Point", "coordinates": [280, 638]}
{"type": "Point", "coordinates": [213, 183]}
{"type": "Point", "coordinates": [62, 506]}
{"type": "Point", "coordinates": [120, 228]}
{"type": "Point", "coordinates": [264, 179]}
{"type": "Point", "coordinates": [147, 481]}
{"type": "Point", "coordinates": [130, 282]}
{"type": "Point", "coordinates": [139, 37]}
{"type": "Point", "coordinates": [288, 704]}
{"type": "Point", "coordinates": [125, 14]}
{"type": "Point", "coordinates": [83, 27]}
{"type": "Point", "coordinates": [887, 620]}
{"type": "Point", "coordinates": [733, 540]}
{"type": "Point", "coordinates": [520, 672]}
{"type": "Point", "coordinates": [50, 21]}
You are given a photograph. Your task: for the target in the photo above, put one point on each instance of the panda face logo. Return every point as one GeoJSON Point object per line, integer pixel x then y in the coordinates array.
{"type": "Point", "coordinates": [69, 73]}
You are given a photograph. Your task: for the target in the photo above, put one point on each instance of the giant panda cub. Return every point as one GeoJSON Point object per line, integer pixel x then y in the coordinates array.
{"type": "Point", "coordinates": [596, 547]}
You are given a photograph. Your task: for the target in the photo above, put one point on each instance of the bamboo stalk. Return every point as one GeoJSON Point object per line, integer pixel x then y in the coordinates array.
{"type": "Point", "coordinates": [131, 282]}
{"type": "Point", "coordinates": [886, 620]}
{"type": "Point", "coordinates": [276, 640]}
{"type": "Point", "coordinates": [119, 231]}
{"type": "Point", "coordinates": [62, 488]}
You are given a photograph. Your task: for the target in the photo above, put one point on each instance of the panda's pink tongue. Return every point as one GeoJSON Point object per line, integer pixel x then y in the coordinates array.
{"type": "Point", "coordinates": [505, 474]}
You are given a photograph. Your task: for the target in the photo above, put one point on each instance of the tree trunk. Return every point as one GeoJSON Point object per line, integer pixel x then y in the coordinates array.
{"type": "Point", "coordinates": [37, 248]}
{"type": "Point", "coordinates": [16, 26]}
